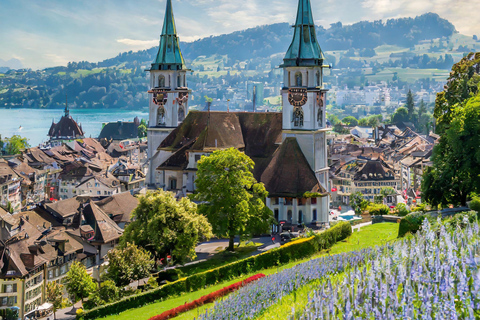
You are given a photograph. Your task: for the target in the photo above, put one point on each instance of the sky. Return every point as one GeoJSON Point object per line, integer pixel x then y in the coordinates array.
{"type": "Point", "coordinates": [46, 33]}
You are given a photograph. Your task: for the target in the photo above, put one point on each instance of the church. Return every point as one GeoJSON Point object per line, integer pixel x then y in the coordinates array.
{"type": "Point", "coordinates": [289, 148]}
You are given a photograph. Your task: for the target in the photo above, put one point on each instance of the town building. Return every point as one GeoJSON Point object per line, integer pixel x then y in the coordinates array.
{"type": "Point", "coordinates": [168, 105]}
{"type": "Point", "coordinates": [289, 149]}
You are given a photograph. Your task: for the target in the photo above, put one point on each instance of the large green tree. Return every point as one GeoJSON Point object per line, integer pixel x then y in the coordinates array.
{"type": "Point", "coordinates": [231, 197]}
{"type": "Point", "coordinates": [455, 173]}
{"type": "Point", "coordinates": [462, 84]}
{"type": "Point", "coordinates": [128, 263]}
{"type": "Point", "coordinates": [78, 283]}
{"type": "Point", "coordinates": [164, 226]}
{"type": "Point", "coordinates": [456, 159]}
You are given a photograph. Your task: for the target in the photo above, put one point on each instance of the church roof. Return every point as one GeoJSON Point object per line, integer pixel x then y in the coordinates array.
{"type": "Point", "coordinates": [256, 133]}
{"type": "Point", "coordinates": [304, 49]}
{"type": "Point", "coordinates": [120, 130]}
{"type": "Point", "coordinates": [66, 127]}
{"type": "Point", "coordinates": [289, 174]}
{"type": "Point", "coordinates": [169, 56]}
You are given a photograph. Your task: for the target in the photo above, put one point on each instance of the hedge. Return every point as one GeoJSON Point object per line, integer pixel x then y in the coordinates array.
{"type": "Point", "coordinates": [290, 252]}
{"type": "Point", "coordinates": [209, 298]}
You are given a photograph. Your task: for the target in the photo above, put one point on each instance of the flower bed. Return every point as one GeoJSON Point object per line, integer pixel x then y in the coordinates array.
{"type": "Point", "coordinates": [206, 299]}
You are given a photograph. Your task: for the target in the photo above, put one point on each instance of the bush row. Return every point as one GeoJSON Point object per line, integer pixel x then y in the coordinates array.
{"type": "Point", "coordinates": [275, 257]}
{"type": "Point", "coordinates": [209, 298]}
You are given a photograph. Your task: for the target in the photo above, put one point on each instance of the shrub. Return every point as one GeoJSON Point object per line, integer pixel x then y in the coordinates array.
{"type": "Point", "coordinates": [411, 223]}
{"type": "Point", "coordinates": [401, 210]}
{"type": "Point", "coordinates": [302, 248]}
{"type": "Point", "coordinates": [475, 204]}
{"type": "Point", "coordinates": [378, 209]}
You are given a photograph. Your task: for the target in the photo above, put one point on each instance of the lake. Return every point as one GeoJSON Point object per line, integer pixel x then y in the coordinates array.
{"type": "Point", "coordinates": [35, 123]}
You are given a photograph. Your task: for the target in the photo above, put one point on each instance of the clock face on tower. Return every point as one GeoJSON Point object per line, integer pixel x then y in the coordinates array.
{"type": "Point", "coordinates": [297, 96]}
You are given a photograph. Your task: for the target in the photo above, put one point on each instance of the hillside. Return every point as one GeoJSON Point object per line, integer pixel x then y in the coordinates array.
{"type": "Point", "coordinates": [223, 64]}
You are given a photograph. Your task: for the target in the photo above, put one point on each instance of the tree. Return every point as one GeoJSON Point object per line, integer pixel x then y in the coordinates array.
{"type": "Point", "coordinates": [142, 129]}
{"type": "Point", "coordinates": [78, 283]}
{"type": "Point", "coordinates": [55, 296]}
{"type": "Point", "coordinates": [400, 115]}
{"type": "Point", "coordinates": [350, 121]}
{"type": "Point", "coordinates": [128, 263]}
{"type": "Point", "coordinates": [164, 226]}
{"type": "Point", "coordinates": [15, 144]}
{"type": "Point", "coordinates": [461, 85]}
{"type": "Point", "coordinates": [108, 292]}
{"type": "Point", "coordinates": [455, 173]}
{"type": "Point", "coordinates": [232, 200]}
{"type": "Point", "coordinates": [358, 202]}
{"type": "Point", "coordinates": [410, 105]}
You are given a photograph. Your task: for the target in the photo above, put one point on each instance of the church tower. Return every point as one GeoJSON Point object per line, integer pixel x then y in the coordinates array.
{"type": "Point", "coordinates": [304, 97]}
{"type": "Point", "coordinates": [168, 95]}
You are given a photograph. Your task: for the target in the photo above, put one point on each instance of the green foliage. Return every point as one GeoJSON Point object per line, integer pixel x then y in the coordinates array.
{"type": "Point", "coordinates": [378, 209]}
{"type": "Point", "coordinates": [55, 295]}
{"type": "Point", "coordinates": [461, 85]}
{"type": "Point", "coordinates": [164, 226]}
{"type": "Point", "coordinates": [275, 257]}
{"type": "Point", "coordinates": [401, 209]}
{"type": "Point", "coordinates": [350, 121]}
{"type": "Point", "coordinates": [15, 144]}
{"type": "Point", "coordinates": [128, 263]}
{"type": "Point", "coordinates": [456, 158]}
{"type": "Point", "coordinates": [232, 199]}
{"type": "Point", "coordinates": [108, 291]}
{"type": "Point", "coordinates": [358, 202]}
{"type": "Point", "coordinates": [460, 220]}
{"type": "Point", "coordinates": [78, 283]}
{"type": "Point", "coordinates": [400, 115]}
{"type": "Point", "coordinates": [142, 129]}
{"type": "Point", "coordinates": [410, 105]}
{"type": "Point", "coordinates": [151, 284]}
{"type": "Point", "coordinates": [475, 204]}
{"type": "Point", "coordinates": [411, 223]}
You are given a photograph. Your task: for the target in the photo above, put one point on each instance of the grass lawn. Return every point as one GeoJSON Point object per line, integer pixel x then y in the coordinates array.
{"type": "Point", "coordinates": [369, 236]}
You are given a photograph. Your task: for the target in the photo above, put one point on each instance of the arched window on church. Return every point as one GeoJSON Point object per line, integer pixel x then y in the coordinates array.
{"type": "Point", "coordinates": [160, 116]}
{"type": "Point", "coordinates": [181, 115]}
{"type": "Point", "coordinates": [161, 81]}
{"type": "Point", "coordinates": [298, 79]}
{"type": "Point", "coordinates": [179, 81]}
{"type": "Point", "coordinates": [289, 82]}
{"type": "Point", "coordinates": [317, 79]}
{"type": "Point", "coordinates": [298, 117]}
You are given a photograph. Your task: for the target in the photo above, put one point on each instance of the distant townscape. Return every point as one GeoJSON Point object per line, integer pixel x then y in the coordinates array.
{"type": "Point", "coordinates": [332, 173]}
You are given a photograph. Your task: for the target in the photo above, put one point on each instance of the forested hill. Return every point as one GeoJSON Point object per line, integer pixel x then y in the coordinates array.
{"type": "Point", "coordinates": [264, 41]}
{"type": "Point", "coordinates": [230, 60]}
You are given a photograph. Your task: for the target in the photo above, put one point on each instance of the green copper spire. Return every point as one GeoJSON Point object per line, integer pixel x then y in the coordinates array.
{"type": "Point", "coordinates": [169, 56]}
{"type": "Point", "coordinates": [304, 49]}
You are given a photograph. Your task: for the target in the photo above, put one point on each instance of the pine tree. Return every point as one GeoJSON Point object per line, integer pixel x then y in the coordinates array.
{"type": "Point", "coordinates": [410, 105]}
